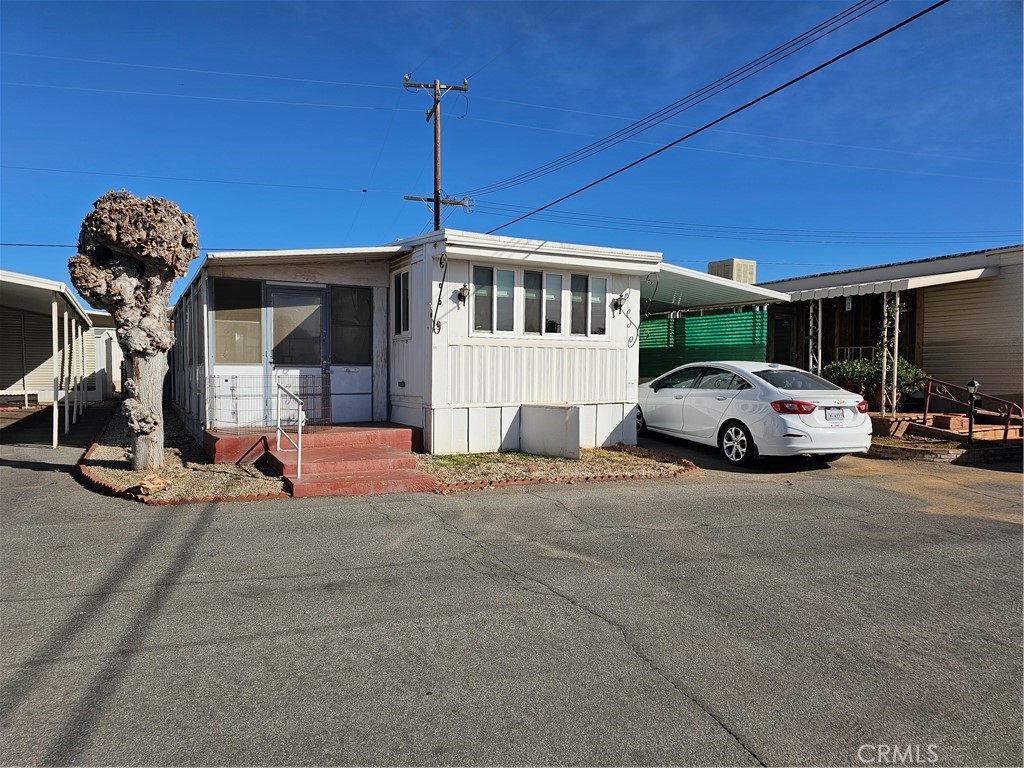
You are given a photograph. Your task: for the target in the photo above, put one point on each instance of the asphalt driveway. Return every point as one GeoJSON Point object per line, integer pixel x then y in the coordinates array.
{"type": "Point", "coordinates": [793, 614]}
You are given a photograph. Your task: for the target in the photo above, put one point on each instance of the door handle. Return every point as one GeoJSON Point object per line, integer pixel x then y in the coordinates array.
{"type": "Point", "coordinates": [720, 397]}
{"type": "Point", "coordinates": [680, 397]}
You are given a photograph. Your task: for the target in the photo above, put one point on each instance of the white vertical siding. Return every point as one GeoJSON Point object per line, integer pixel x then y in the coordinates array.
{"type": "Point", "coordinates": [34, 370]}
{"type": "Point", "coordinates": [973, 330]}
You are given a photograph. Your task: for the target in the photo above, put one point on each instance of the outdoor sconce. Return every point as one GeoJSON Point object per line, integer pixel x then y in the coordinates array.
{"type": "Point", "coordinates": [463, 294]}
{"type": "Point", "coordinates": [972, 405]}
{"type": "Point", "coordinates": [618, 303]}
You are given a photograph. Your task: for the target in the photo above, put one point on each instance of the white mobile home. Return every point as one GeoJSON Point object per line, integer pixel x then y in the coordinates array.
{"type": "Point", "coordinates": [46, 347]}
{"type": "Point", "coordinates": [485, 343]}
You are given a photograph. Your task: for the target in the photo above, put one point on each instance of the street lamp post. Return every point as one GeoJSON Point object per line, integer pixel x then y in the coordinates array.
{"type": "Point", "coordinates": [972, 404]}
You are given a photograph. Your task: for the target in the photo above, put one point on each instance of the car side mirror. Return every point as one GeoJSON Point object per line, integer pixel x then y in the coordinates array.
{"type": "Point", "coordinates": [655, 386]}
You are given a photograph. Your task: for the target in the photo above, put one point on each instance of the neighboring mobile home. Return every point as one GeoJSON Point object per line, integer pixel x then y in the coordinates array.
{"type": "Point", "coordinates": [959, 317]}
{"type": "Point", "coordinates": [485, 343]}
{"type": "Point", "coordinates": [46, 347]}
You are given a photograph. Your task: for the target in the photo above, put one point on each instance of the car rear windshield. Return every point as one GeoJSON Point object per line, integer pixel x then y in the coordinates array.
{"type": "Point", "coordinates": [795, 380]}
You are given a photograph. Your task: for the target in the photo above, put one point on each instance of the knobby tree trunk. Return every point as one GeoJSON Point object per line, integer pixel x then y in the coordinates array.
{"type": "Point", "coordinates": [130, 251]}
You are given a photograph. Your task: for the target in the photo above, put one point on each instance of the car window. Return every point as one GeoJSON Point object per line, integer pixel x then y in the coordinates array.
{"type": "Point", "coordinates": [716, 378]}
{"type": "Point", "coordinates": [680, 379]}
{"type": "Point", "coordinates": [795, 380]}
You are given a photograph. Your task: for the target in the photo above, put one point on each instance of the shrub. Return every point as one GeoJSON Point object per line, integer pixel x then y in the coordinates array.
{"type": "Point", "coordinates": [865, 376]}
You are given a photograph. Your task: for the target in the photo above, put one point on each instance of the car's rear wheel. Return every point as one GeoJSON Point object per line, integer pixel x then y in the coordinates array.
{"type": "Point", "coordinates": [737, 444]}
{"type": "Point", "coordinates": [641, 424]}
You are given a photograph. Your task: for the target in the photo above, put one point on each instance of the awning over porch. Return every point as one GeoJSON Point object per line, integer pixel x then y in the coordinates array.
{"type": "Point", "coordinates": [885, 286]}
{"type": "Point", "coordinates": [29, 347]}
{"type": "Point", "coordinates": [673, 288]}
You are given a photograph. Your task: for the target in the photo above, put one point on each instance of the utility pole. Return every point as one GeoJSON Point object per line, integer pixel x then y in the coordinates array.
{"type": "Point", "coordinates": [434, 113]}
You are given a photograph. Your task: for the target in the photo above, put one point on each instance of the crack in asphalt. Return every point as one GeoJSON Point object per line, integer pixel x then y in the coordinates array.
{"type": "Point", "coordinates": [525, 582]}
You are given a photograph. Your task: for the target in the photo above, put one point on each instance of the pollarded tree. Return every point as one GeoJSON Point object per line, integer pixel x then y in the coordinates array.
{"type": "Point", "coordinates": [130, 251]}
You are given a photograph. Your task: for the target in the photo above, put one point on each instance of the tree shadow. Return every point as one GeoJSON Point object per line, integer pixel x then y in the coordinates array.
{"type": "Point", "coordinates": [80, 723]}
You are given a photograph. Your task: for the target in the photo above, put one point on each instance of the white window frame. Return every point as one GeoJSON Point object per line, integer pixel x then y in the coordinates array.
{"type": "Point", "coordinates": [588, 300]}
{"type": "Point", "coordinates": [401, 327]}
{"type": "Point", "coordinates": [516, 290]}
{"type": "Point", "coordinates": [544, 274]}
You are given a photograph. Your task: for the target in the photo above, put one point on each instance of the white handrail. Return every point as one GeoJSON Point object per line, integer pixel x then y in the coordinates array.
{"type": "Point", "coordinates": [280, 431]}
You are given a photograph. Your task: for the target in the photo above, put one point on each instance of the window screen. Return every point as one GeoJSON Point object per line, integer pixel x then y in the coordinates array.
{"type": "Point", "coordinates": [482, 309]}
{"type": "Point", "coordinates": [532, 304]}
{"type": "Point", "coordinates": [237, 321]}
{"type": "Point", "coordinates": [578, 308]}
{"type": "Point", "coordinates": [351, 324]}
{"type": "Point", "coordinates": [553, 304]}
{"type": "Point", "coordinates": [598, 296]}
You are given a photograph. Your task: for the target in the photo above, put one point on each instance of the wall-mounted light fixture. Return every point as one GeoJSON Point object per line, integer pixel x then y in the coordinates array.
{"type": "Point", "coordinates": [463, 294]}
{"type": "Point", "coordinates": [618, 303]}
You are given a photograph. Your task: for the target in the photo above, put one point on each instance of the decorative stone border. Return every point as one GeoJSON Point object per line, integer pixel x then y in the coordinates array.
{"type": "Point", "coordinates": [951, 455]}
{"type": "Point", "coordinates": [687, 468]}
{"type": "Point", "coordinates": [94, 483]}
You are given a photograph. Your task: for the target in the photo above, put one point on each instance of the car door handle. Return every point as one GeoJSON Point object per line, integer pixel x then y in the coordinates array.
{"type": "Point", "coordinates": [680, 397]}
{"type": "Point", "coordinates": [720, 397]}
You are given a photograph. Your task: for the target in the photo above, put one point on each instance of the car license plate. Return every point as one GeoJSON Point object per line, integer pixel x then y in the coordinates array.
{"type": "Point", "coordinates": [834, 414]}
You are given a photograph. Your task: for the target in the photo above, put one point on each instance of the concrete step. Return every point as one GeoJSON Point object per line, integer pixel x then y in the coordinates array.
{"type": "Point", "coordinates": [395, 437]}
{"type": "Point", "coordinates": [333, 459]}
{"type": "Point", "coordinates": [361, 483]}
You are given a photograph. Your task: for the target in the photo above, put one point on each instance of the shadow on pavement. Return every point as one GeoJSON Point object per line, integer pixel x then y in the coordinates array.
{"type": "Point", "coordinates": [35, 428]}
{"type": "Point", "coordinates": [708, 457]}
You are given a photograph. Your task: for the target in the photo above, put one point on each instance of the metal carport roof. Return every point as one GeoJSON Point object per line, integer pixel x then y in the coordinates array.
{"type": "Point", "coordinates": [673, 288]}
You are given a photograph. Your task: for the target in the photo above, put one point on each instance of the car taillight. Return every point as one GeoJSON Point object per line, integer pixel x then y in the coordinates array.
{"type": "Point", "coordinates": [862, 406]}
{"type": "Point", "coordinates": [793, 406]}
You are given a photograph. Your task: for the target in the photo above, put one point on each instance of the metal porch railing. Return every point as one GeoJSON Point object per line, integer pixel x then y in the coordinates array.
{"type": "Point", "coordinates": [943, 390]}
{"type": "Point", "coordinates": [300, 420]}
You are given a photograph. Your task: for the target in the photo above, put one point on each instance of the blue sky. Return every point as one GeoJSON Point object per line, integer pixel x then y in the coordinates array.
{"type": "Point", "coordinates": [285, 125]}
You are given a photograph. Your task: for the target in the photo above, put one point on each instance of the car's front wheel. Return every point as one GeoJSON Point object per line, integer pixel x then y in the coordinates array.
{"type": "Point", "coordinates": [737, 444]}
{"type": "Point", "coordinates": [641, 424]}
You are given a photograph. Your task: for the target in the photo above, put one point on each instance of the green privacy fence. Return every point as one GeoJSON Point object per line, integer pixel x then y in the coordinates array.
{"type": "Point", "coordinates": [669, 342]}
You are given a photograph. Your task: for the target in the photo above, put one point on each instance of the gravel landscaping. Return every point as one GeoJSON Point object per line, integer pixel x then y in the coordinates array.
{"type": "Point", "coordinates": [186, 467]}
{"type": "Point", "coordinates": [620, 461]}
{"type": "Point", "coordinates": [192, 476]}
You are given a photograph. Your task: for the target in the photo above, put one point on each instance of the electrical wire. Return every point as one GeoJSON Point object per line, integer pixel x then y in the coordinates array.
{"type": "Point", "coordinates": [737, 76]}
{"type": "Point", "coordinates": [507, 208]}
{"type": "Point", "coordinates": [731, 113]}
{"type": "Point", "coordinates": [206, 98]}
{"type": "Point", "coordinates": [190, 179]}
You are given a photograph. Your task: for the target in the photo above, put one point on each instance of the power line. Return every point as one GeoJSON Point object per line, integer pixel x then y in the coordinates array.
{"type": "Point", "coordinates": [196, 71]}
{"type": "Point", "coordinates": [733, 112]}
{"type": "Point", "coordinates": [189, 179]}
{"type": "Point", "coordinates": [724, 83]}
{"type": "Point", "coordinates": [801, 160]}
{"type": "Point", "coordinates": [753, 237]}
{"type": "Point", "coordinates": [271, 102]}
{"type": "Point", "coordinates": [508, 207]}
{"type": "Point", "coordinates": [512, 102]}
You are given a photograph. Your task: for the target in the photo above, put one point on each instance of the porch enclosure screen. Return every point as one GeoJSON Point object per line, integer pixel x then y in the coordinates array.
{"type": "Point", "coordinates": [668, 342]}
{"type": "Point", "coordinates": [316, 341]}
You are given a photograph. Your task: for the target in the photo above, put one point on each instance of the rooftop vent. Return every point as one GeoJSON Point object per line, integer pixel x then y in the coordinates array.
{"type": "Point", "coordinates": [740, 270]}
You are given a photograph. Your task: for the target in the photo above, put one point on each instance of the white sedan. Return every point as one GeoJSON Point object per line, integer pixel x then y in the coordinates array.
{"type": "Point", "coordinates": [751, 409]}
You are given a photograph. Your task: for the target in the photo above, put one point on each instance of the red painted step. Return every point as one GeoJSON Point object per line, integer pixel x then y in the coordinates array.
{"type": "Point", "coordinates": [361, 483]}
{"type": "Point", "coordinates": [318, 460]}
